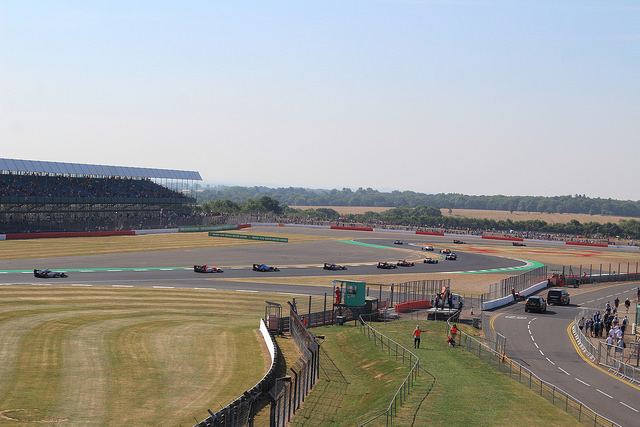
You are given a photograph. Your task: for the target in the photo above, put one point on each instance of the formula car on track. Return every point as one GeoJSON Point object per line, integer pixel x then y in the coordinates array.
{"type": "Point", "coordinates": [332, 266]}
{"type": "Point", "coordinates": [458, 242]}
{"type": "Point", "coordinates": [427, 248]}
{"type": "Point", "coordinates": [386, 265]}
{"type": "Point", "coordinates": [404, 263]}
{"type": "Point", "coordinates": [518, 244]}
{"type": "Point", "coordinates": [397, 242]}
{"type": "Point", "coordinates": [48, 274]}
{"type": "Point", "coordinates": [445, 251]}
{"type": "Point", "coordinates": [264, 267]}
{"type": "Point", "coordinates": [451, 257]}
{"type": "Point", "coordinates": [206, 269]}
{"type": "Point", "coordinates": [430, 261]}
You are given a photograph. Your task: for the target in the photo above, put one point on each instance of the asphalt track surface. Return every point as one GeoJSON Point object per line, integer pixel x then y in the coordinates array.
{"type": "Point", "coordinates": [543, 343]}
{"type": "Point", "coordinates": [174, 269]}
{"type": "Point", "coordinates": [538, 341]}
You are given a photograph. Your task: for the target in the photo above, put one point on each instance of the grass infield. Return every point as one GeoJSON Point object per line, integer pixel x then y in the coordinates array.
{"type": "Point", "coordinates": [359, 380]}
{"type": "Point", "coordinates": [113, 357]}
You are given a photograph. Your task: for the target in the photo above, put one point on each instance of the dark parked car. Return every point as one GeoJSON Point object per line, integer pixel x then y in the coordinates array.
{"type": "Point", "coordinates": [558, 296]}
{"type": "Point", "coordinates": [535, 304]}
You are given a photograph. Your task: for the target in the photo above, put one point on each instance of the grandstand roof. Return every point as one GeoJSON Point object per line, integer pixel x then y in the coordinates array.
{"type": "Point", "coordinates": [14, 165]}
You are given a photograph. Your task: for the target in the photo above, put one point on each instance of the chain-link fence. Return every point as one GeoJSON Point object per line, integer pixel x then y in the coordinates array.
{"type": "Point", "coordinates": [290, 391]}
{"type": "Point", "coordinates": [400, 354]}
{"type": "Point", "coordinates": [517, 283]}
{"type": "Point", "coordinates": [241, 411]}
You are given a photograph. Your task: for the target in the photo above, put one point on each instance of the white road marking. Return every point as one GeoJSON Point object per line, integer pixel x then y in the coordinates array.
{"type": "Point", "coordinates": [633, 409]}
{"type": "Point", "coordinates": [579, 380]}
{"type": "Point", "coordinates": [244, 290]}
{"type": "Point", "coordinates": [532, 339]}
{"type": "Point", "coordinates": [207, 289]}
{"type": "Point", "coordinates": [114, 270]}
{"type": "Point", "coordinates": [541, 352]}
{"type": "Point", "coordinates": [163, 287]}
{"type": "Point", "coordinates": [79, 284]}
{"type": "Point", "coordinates": [288, 293]}
{"type": "Point", "coordinates": [549, 360]}
{"type": "Point", "coordinates": [564, 371]}
{"type": "Point", "coordinates": [536, 344]}
{"type": "Point", "coordinates": [122, 286]}
{"type": "Point", "coordinates": [600, 391]}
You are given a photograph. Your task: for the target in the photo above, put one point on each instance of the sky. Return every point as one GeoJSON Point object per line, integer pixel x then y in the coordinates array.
{"type": "Point", "coordinates": [530, 98]}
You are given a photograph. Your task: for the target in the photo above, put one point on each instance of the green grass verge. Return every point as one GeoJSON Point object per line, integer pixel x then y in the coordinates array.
{"type": "Point", "coordinates": [360, 380]}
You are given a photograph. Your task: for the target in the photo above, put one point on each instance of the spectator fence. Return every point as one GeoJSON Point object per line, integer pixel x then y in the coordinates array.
{"type": "Point", "coordinates": [524, 376]}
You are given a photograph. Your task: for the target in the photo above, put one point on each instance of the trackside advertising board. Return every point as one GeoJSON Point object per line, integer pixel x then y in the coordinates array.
{"type": "Point", "coordinates": [249, 237]}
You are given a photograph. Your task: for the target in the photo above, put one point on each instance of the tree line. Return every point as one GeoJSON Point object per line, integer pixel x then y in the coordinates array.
{"type": "Point", "coordinates": [295, 196]}
{"type": "Point", "coordinates": [422, 216]}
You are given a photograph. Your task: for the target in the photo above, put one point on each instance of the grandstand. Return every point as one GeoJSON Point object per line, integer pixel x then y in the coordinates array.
{"type": "Point", "coordinates": [40, 196]}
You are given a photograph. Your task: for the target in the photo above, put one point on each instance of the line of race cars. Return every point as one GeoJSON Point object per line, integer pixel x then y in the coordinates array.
{"type": "Point", "coordinates": [204, 268]}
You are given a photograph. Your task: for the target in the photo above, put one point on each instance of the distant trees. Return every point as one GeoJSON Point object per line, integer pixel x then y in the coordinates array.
{"type": "Point", "coordinates": [293, 196]}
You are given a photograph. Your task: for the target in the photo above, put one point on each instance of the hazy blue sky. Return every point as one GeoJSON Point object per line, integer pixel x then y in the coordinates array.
{"type": "Point", "coordinates": [476, 97]}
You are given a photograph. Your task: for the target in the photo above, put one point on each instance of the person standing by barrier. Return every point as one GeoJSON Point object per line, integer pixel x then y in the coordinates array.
{"type": "Point", "coordinates": [454, 334]}
{"type": "Point", "coordinates": [581, 323]}
{"type": "Point", "coordinates": [337, 292]}
{"type": "Point", "coordinates": [416, 337]}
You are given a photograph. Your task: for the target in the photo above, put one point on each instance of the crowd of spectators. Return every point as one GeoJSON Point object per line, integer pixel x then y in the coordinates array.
{"type": "Point", "coordinates": [35, 185]}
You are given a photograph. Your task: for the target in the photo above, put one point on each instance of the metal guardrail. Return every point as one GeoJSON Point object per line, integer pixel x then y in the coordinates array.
{"type": "Point", "coordinates": [515, 371]}
{"type": "Point", "coordinates": [610, 356]}
{"type": "Point", "coordinates": [400, 353]}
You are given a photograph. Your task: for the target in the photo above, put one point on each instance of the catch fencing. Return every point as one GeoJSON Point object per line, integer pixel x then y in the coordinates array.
{"type": "Point", "coordinates": [401, 354]}
{"type": "Point", "coordinates": [518, 283]}
{"type": "Point", "coordinates": [290, 391]}
{"type": "Point", "coordinates": [524, 376]}
{"type": "Point", "coordinates": [417, 290]}
{"type": "Point", "coordinates": [570, 275]}
{"type": "Point", "coordinates": [241, 411]}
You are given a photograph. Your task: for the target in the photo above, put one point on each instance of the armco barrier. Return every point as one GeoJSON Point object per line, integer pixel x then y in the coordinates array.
{"type": "Point", "coordinates": [249, 237]}
{"type": "Point", "coordinates": [22, 236]}
{"type": "Point", "coordinates": [340, 227]}
{"type": "Point", "coordinates": [241, 411]}
{"type": "Point", "coordinates": [199, 228]}
{"type": "Point", "coordinates": [430, 233]}
{"type": "Point", "coordinates": [600, 245]}
{"type": "Point", "coordinates": [513, 239]}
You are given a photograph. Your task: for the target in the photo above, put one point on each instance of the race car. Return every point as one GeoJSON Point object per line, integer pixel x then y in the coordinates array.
{"type": "Point", "coordinates": [397, 242]}
{"type": "Point", "coordinates": [427, 248]}
{"type": "Point", "coordinates": [430, 261]}
{"type": "Point", "coordinates": [445, 251]}
{"type": "Point", "coordinates": [404, 263]}
{"type": "Point", "coordinates": [451, 257]}
{"type": "Point", "coordinates": [331, 266]}
{"type": "Point", "coordinates": [458, 242]}
{"type": "Point", "coordinates": [518, 244]}
{"type": "Point", "coordinates": [48, 274]}
{"type": "Point", "coordinates": [206, 269]}
{"type": "Point", "coordinates": [264, 267]}
{"type": "Point", "coordinates": [386, 265]}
